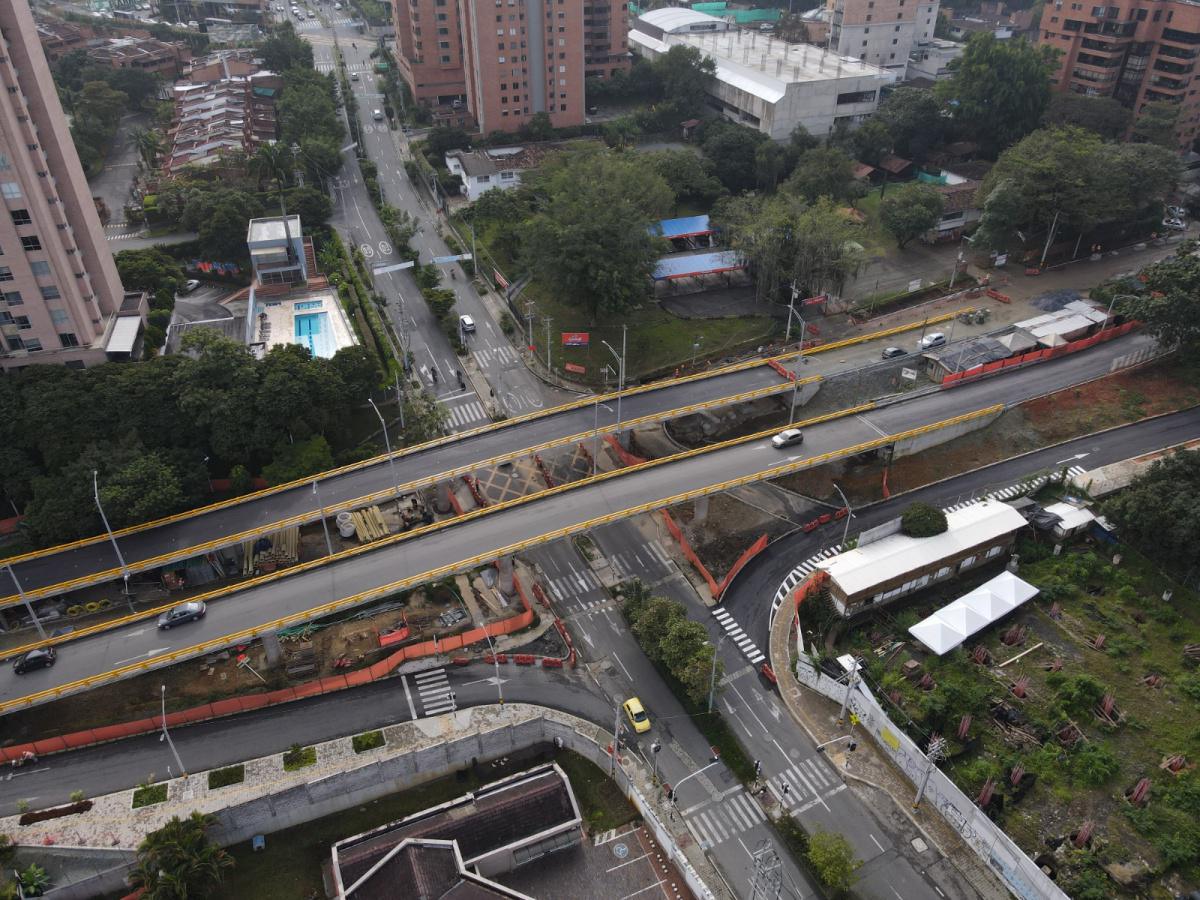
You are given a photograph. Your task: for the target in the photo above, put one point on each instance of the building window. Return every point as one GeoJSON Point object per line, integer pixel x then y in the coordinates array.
{"type": "Point", "coordinates": [6, 273]}
{"type": "Point", "coordinates": [31, 243]}
{"type": "Point", "coordinates": [21, 217]}
{"type": "Point", "coordinates": [68, 339]}
{"type": "Point", "coordinates": [58, 316]}
{"type": "Point", "coordinates": [32, 344]}
{"type": "Point", "coordinates": [50, 293]}
{"type": "Point", "coordinates": [40, 268]}
{"type": "Point", "coordinates": [942, 573]}
{"type": "Point", "coordinates": [13, 298]}
{"type": "Point", "coordinates": [994, 551]}
{"type": "Point", "coordinates": [22, 323]}
{"type": "Point", "coordinates": [4, 163]}
{"type": "Point", "coordinates": [966, 563]}
{"type": "Point", "coordinates": [10, 190]}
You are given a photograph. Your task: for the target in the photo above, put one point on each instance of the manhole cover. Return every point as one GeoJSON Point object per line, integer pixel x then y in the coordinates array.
{"type": "Point", "coordinates": [620, 851]}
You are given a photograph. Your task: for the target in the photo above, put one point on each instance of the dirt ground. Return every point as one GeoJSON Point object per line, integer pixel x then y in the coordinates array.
{"type": "Point", "coordinates": [730, 527]}
{"type": "Point", "coordinates": [1115, 400]}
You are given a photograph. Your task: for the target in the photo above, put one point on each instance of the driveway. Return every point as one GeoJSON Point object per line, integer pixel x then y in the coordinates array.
{"type": "Point", "coordinates": [113, 185]}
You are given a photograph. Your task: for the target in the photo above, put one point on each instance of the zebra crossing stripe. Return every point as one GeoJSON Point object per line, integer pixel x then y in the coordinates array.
{"type": "Point", "coordinates": [756, 658]}
{"type": "Point", "coordinates": [714, 825]}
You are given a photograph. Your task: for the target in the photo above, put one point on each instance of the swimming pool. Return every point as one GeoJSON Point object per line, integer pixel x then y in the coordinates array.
{"type": "Point", "coordinates": [313, 332]}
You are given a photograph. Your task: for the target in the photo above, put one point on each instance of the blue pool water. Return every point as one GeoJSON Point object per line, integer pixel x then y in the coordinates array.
{"type": "Point", "coordinates": [313, 332]}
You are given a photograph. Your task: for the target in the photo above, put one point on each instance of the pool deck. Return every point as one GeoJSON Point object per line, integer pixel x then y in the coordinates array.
{"type": "Point", "coordinates": [275, 319]}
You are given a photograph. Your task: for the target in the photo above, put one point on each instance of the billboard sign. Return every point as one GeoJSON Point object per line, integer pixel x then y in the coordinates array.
{"type": "Point", "coordinates": [576, 338]}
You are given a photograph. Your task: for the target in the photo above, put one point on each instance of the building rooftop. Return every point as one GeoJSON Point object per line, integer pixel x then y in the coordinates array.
{"type": "Point", "coordinates": [426, 870]}
{"type": "Point", "coordinates": [271, 228]}
{"type": "Point", "coordinates": [491, 160]}
{"type": "Point", "coordinates": [971, 352]}
{"type": "Point", "coordinates": [862, 568]}
{"type": "Point", "coordinates": [671, 18]}
{"type": "Point", "coordinates": [951, 625]}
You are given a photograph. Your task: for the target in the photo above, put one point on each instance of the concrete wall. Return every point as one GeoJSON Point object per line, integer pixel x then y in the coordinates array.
{"type": "Point", "coordinates": [78, 873]}
{"type": "Point", "coordinates": [920, 442]}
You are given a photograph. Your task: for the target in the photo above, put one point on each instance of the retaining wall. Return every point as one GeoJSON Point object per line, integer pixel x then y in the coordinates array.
{"type": "Point", "coordinates": [917, 443]}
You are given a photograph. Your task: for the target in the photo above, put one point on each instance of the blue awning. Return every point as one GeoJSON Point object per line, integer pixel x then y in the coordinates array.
{"type": "Point", "coordinates": [671, 267]}
{"type": "Point", "coordinates": [689, 226]}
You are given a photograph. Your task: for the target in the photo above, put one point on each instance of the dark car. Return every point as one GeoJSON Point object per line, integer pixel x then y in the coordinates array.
{"type": "Point", "coordinates": [893, 352]}
{"type": "Point", "coordinates": [184, 612]}
{"type": "Point", "coordinates": [41, 658]}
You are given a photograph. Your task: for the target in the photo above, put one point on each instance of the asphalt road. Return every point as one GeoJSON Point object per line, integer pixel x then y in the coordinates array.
{"type": "Point", "coordinates": [489, 533]}
{"type": "Point", "coordinates": [115, 181]}
{"type": "Point", "coordinates": [749, 597]}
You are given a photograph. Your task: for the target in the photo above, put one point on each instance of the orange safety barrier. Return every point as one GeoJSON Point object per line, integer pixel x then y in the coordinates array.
{"type": "Point", "coordinates": [549, 662]}
{"type": "Point", "coordinates": [810, 586]}
{"type": "Point", "coordinates": [624, 455]}
{"type": "Point", "coordinates": [460, 661]}
{"type": "Point", "coordinates": [458, 510]}
{"type": "Point", "coordinates": [523, 659]}
{"type": "Point", "coordinates": [540, 594]}
{"type": "Point", "coordinates": [1034, 356]}
{"type": "Point", "coordinates": [234, 705]}
{"type": "Point", "coordinates": [541, 466]}
{"type": "Point", "coordinates": [587, 454]}
{"type": "Point", "coordinates": [475, 492]}
{"type": "Point", "coordinates": [886, 490]}
{"type": "Point", "coordinates": [781, 370]}
{"type": "Point", "coordinates": [996, 295]}
{"type": "Point", "coordinates": [688, 552]}
{"type": "Point", "coordinates": [752, 551]}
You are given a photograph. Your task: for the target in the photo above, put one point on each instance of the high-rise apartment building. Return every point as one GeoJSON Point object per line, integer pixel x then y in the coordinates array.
{"type": "Point", "coordinates": [60, 294]}
{"type": "Point", "coordinates": [1137, 51]}
{"type": "Point", "coordinates": [881, 32]}
{"type": "Point", "coordinates": [497, 63]}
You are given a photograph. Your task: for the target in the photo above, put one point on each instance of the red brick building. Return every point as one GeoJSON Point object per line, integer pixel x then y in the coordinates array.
{"type": "Point", "coordinates": [1136, 51]}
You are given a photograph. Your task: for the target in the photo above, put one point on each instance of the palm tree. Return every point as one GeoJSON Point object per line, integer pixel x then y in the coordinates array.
{"type": "Point", "coordinates": [149, 145]}
{"type": "Point", "coordinates": [179, 862]}
{"type": "Point", "coordinates": [273, 162]}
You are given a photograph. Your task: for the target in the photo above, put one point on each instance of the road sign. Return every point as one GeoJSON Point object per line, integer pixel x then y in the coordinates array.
{"type": "Point", "coordinates": [379, 270]}
{"type": "Point", "coordinates": [910, 374]}
{"type": "Point", "coordinates": [576, 338]}
{"type": "Point", "coordinates": [442, 260]}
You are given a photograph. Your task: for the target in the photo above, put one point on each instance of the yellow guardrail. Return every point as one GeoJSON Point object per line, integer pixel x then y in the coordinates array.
{"type": "Point", "coordinates": [487, 556]}
{"type": "Point", "coordinates": [492, 426]}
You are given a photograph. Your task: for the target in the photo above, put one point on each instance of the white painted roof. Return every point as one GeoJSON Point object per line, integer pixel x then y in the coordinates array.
{"type": "Point", "coordinates": [951, 625]}
{"type": "Point", "coordinates": [861, 569]}
{"type": "Point", "coordinates": [670, 18]}
{"type": "Point", "coordinates": [124, 335]}
{"type": "Point", "coordinates": [1072, 516]}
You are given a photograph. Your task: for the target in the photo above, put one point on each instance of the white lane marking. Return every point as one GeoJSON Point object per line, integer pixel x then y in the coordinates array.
{"type": "Point", "coordinates": [412, 709]}
{"type": "Point", "coordinates": [622, 665]}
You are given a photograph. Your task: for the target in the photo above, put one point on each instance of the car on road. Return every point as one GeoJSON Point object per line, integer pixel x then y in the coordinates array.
{"type": "Point", "coordinates": [190, 285]}
{"type": "Point", "coordinates": [467, 324]}
{"type": "Point", "coordinates": [1174, 224]}
{"type": "Point", "coordinates": [377, 115]}
{"type": "Point", "coordinates": [354, 76]}
{"type": "Point", "coordinates": [788, 438]}
{"type": "Point", "coordinates": [893, 352]}
{"type": "Point", "coordinates": [636, 713]}
{"type": "Point", "coordinates": [931, 340]}
{"type": "Point", "coordinates": [191, 611]}
{"type": "Point", "coordinates": [41, 658]}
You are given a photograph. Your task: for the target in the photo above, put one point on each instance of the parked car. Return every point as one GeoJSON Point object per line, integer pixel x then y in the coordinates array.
{"type": "Point", "coordinates": [931, 340]}
{"type": "Point", "coordinates": [191, 611]}
{"type": "Point", "coordinates": [467, 324]}
{"type": "Point", "coordinates": [190, 285]}
{"type": "Point", "coordinates": [41, 658]}
{"type": "Point", "coordinates": [636, 714]}
{"type": "Point", "coordinates": [788, 438]}
{"type": "Point", "coordinates": [1174, 224]}
{"type": "Point", "coordinates": [893, 352]}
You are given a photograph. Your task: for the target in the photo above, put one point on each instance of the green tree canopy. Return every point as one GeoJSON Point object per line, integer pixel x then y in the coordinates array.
{"type": "Point", "coordinates": [910, 210]}
{"type": "Point", "coordinates": [870, 142]}
{"type": "Point", "coordinates": [1160, 511]}
{"type": "Point", "coordinates": [150, 269]}
{"type": "Point", "coordinates": [684, 75]}
{"type": "Point", "coordinates": [1102, 115]}
{"type": "Point", "coordinates": [833, 859]}
{"type": "Point", "coordinates": [998, 90]}
{"type": "Point", "coordinates": [922, 520]}
{"type": "Point", "coordinates": [285, 50]}
{"type": "Point", "coordinates": [913, 118]}
{"type": "Point", "coordinates": [1168, 304]}
{"type": "Point", "coordinates": [733, 151]}
{"type": "Point", "coordinates": [823, 172]}
{"type": "Point", "coordinates": [588, 237]}
{"type": "Point", "coordinates": [179, 862]}
{"type": "Point", "coordinates": [689, 176]}
{"type": "Point", "coordinates": [146, 488]}
{"type": "Point", "coordinates": [1156, 124]}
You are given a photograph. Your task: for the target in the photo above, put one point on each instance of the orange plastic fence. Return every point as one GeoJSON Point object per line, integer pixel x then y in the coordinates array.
{"type": "Point", "coordinates": [809, 586]}
{"type": "Point", "coordinates": [234, 705]}
{"type": "Point", "coordinates": [624, 455]}
{"type": "Point", "coordinates": [781, 370]}
{"type": "Point", "coordinates": [1038, 355]}
{"type": "Point", "coordinates": [752, 551]}
{"type": "Point", "coordinates": [690, 554]}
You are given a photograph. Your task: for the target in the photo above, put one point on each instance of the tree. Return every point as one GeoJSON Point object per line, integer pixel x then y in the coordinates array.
{"type": "Point", "coordinates": [910, 210]}
{"type": "Point", "coordinates": [296, 460]}
{"type": "Point", "coordinates": [538, 128]}
{"type": "Point", "coordinates": [833, 860]}
{"type": "Point", "coordinates": [148, 144]}
{"type": "Point", "coordinates": [1102, 115]}
{"type": "Point", "coordinates": [443, 139]}
{"type": "Point", "coordinates": [312, 206]}
{"type": "Point", "coordinates": [697, 674]}
{"type": "Point", "coordinates": [179, 862]}
{"type": "Point", "coordinates": [770, 164]}
{"type": "Point", "coordinates": [998, 90]}
{"type": "Point", "coordinates": [688, 175]}
{"type": "Point", "coordinates": [285, 50]}
{"type": "Point", "coordinates": [870, 142]}
{"type": "Point", "coordinates": [654, 623]}
{"type": "Point", "coordinates": [733, 151]}
{"type": "Point", "coordinates": [684, 640]}
{"type": "Point", "coordinates": [150, 269]}
{"type": "Point", "coordinates": [1156, 124]}
{"type": "Point", "coordinates": [922, 520]}
{"type": "Point", "coordinates": [1160, 510]}
{"type": "Point", "coordinates": [216, 389]}
{"type": "Point", "coordinates": [358, 371]}
{"type": "Point", "coordinates": [1168, 304]}
{"type": "Point", "coordinates": [137, 85]}
{"type": "Point", "coordinates": [823, 172]}
{"type": "Point", "coordinates": [684, 74]}
{"type": "Point", "coordinates": [307, 108]}
{"type": "Point", "coordinates": [100, 104]}
{"type": "Point", "coordinates": [913, 117]}
{"type": "Point", "coordinates": [145, 489]}
{"type": "Point", "coordinates": [588, 239]}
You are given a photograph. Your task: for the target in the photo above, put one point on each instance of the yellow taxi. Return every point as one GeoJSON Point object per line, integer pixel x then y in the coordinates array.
{"type": "Point", "coordinates": [636, 714]}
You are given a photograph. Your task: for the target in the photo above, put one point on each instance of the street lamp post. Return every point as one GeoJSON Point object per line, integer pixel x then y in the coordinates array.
{"type": "Point", "coordinates": [491, 647]}
{"type": "Point", "coordinates": [28, 606]}
{"type": "Point", "coordinates": [655, 748]}
{"type": "Point", "coordinates": [208, 474]}
{"type": "Point", "coordinates": [388, 444]}
{"type": "Point", "coordinates": [696, 348]}
{"type": "Point", "coordinates": [324, 523]}
{"type": "Point", "coordinates": [620, 357]}
{"type": "Point", "coordinates": [845, 503]}
{"type": "Point", "coordinates": [712, 676]}
{"type": "Point", "coordinates": [112, 537]}
{"type": "Point", "coordinates": [167, 734]}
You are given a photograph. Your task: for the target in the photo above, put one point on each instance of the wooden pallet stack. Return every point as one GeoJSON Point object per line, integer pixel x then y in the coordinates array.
{"type": "Point", "coordinates": [369, 525]}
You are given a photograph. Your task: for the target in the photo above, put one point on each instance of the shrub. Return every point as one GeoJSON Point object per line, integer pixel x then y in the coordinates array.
{"type": "Point", "coordinates": [368, 741]}
{"type": "Point", "coordinates": [1093, 765]}
{"type": "Point", "coordinates": [149, 794]}
{"type": "Point", "coordinates": [298, 757]}
{"type": "Point", "coordinates": [219, 778]}
{"type": "Point", "coordinates": [77, 796]}
{"type": "Point", "coordinates": [833, 860]}
{"type": "Point", "coordinates": [922, 520]}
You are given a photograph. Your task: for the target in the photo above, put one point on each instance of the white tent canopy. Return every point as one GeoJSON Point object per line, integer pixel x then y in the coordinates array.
{"type": "Point", "coordinates": [951, 625]}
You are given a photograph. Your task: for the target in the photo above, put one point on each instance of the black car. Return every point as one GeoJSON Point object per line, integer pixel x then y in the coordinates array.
{"type": "Point", "coordinates": [893, 352]}
{"type": "Point", "coordinates": [41, 658]}
{"type": "Point", "coordinates": [184, 612]}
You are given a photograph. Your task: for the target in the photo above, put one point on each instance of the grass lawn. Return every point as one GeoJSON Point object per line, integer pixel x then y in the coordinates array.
{"type": "Point", "coordinates": [875, 238]}
{"type": "Point", "coordinates": [290, 867]}
{"type": "Point", "coordinates": [149, 795]}
{"type": "Point", "coordinates": [299, 758]}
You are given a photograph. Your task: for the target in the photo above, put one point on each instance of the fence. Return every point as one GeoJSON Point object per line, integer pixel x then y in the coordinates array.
{"type": "Point", "coordinates": [1039, 355]}
{"type": "Point", "coordinates": [1019, 873]}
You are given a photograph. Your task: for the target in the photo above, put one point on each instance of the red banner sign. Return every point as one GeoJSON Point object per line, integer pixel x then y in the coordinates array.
{"type": "Point", "coordinates": [813, 301]}
{"type": "Point", "coordinates": [575, 338]}
{"type": "Point", "coordinates": [571, 367]}
{"type": "Point", "coordinates": [500, 279]}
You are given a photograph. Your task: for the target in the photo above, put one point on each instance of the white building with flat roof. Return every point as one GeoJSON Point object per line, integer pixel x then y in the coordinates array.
{"type": "Point", "coordinates": [772, 85]}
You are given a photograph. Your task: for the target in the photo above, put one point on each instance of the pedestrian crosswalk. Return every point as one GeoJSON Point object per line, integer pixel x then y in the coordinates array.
{"type": "Point", "coordinates": [723, 821]}
{"type": "Point", "coordinates": [492, 355]}
{"type": "Point", "coordinates": [433, 690]}
{"type": "Point", "coordinates": [645, 563]}
{"type": "Point", "coordinates": [467, 415]}
{"type": "Point", "coordinates": [576, 584]}
{"type": "Point", "coordinates": [739, 637]}
{"type": "Point", "coordinates": [801, 785]}
{"type": "Point", "coordinates": [799, 573]}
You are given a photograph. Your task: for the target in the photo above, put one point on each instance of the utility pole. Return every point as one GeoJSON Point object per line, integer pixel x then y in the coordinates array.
{"type": "Point", "coordinates": [391, 460]}
{"type": "Point", "coordinates": [324, 522]}
{"type": "Point", "coordinates": [850, 683]}
{"type": "Point", "coordinates": [612, 762]}
{"type": "Point", "coordinates": [112, 537]}
{"type": "Point", "coordinates": [28, 606]}
{"type": "Point", "coordinates": [654, 751]}
{"type": "Point", "coordinates": [595, 434]}
{"type": "Point", "coordinates": [549, 371]}
{"type": "Point", "coordinates": [937, 749]}
{"type": "Point", "coordinates": [167, 735]}
{"type": "Point", "coordinates": [849, 515]}
{"type": "Point", "coordinates": [400, 401]}
{"type": "Point", "coordinates": [712, 675]}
